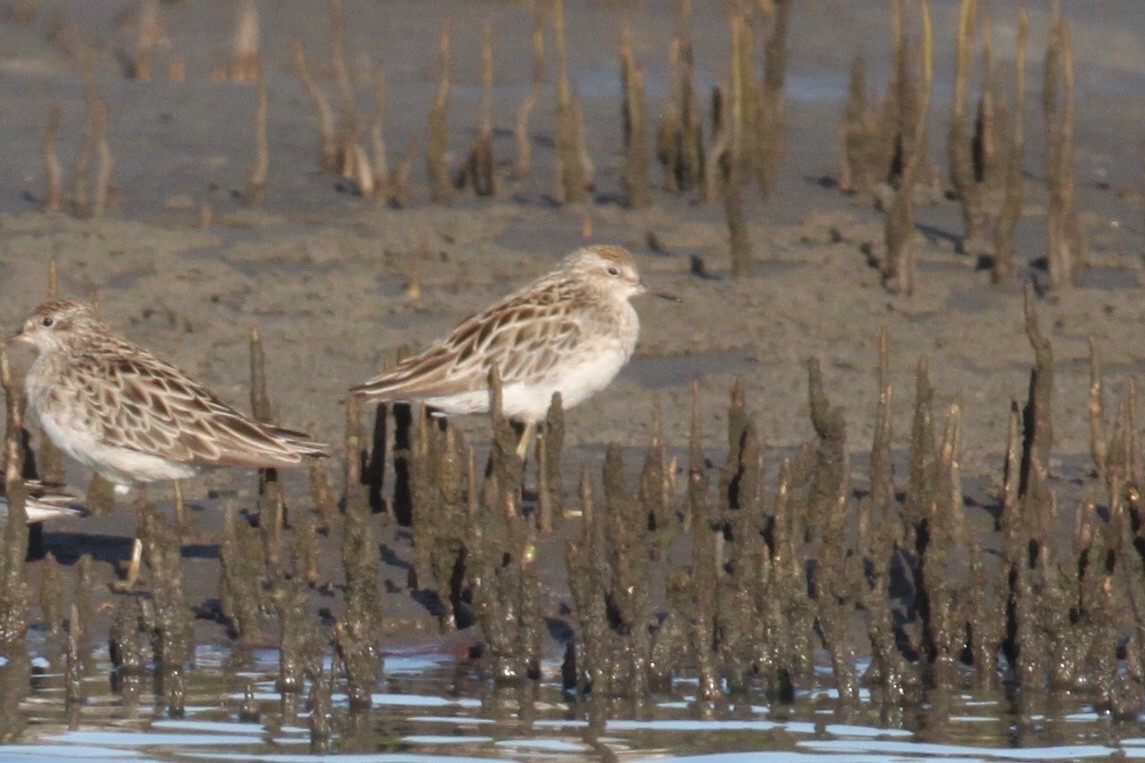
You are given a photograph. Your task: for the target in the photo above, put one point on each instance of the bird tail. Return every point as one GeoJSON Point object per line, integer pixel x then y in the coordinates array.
{"type": "Point", "coordinates": [300, 443]}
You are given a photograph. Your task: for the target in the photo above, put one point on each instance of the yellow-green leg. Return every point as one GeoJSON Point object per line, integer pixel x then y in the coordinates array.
{"type": "Point", "coordinates": [133, 567]}
{"type": "Point", "coordinates": [526, 438]}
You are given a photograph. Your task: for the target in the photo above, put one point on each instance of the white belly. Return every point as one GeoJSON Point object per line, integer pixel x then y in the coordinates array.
{"type": "Point", "coordinates": [530, 402]}
{"type": "Point", "coordinates": [122, 466]}
{"type": "Point", "coordinates": [597, 361]}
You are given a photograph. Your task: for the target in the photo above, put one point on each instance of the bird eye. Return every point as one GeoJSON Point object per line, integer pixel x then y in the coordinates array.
{"type": "Point", "coordinates": [48, 322]}
{"type": "Point", "coordinates": [613, 270]}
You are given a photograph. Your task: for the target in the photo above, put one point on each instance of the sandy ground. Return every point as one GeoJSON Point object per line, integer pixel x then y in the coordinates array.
{"type": "Point", "coordinates": [322, 272]}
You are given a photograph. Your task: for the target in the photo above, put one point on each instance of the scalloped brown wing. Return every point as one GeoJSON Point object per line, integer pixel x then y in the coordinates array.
{"type": "Point", "coordinates": [150, 407]}
{"type": "Point", "coordinates": [525, 336]}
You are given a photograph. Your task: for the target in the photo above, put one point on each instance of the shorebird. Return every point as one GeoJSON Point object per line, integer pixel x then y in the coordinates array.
{"type": "Point", "coordinates": [132, 417]}
{"type": "Point", "coordinates": [44, 501]}
{"type": "Point", "coordinates": [571, 331]}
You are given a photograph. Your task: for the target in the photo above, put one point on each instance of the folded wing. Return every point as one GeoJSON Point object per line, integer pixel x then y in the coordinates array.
{"type": "Point", "coordinates": [152, 407]}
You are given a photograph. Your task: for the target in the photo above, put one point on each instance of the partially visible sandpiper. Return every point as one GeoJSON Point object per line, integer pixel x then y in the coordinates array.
{"type": "Point", "coordinates": [570, 331]}
{"type": "Point", "coordinates": [44, 502]}
{"type": "Point", "coordinates": [133, 418]}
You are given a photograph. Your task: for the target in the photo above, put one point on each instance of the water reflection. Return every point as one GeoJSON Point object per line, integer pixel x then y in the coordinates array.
{"type": "Point", "coordinates": [432, 707]}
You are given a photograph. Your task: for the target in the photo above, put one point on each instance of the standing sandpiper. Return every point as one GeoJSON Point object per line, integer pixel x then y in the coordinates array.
{"type": "Point", "coordinates": [133, 418]}
{"type": "Point", "coordinates": [570, 331]}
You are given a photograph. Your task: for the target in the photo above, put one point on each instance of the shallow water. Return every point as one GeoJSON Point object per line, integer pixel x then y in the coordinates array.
{"type": "Point", "coordinates": [432, 707]}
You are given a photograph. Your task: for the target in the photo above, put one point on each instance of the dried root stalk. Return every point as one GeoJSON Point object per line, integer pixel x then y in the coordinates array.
{"type": "Point", "coordinates": [381, 178]}
{"type": "Point", "coordinates": [571, 185]}
{"type": "Point", "coordinates": [635, 180]}
{"type": "Point", "coordinates": [478, 168]}
{"type": "Point", "coordinates": [245, 63]}
{"type": "Point", "coordinates": [524, 147]}
{"type": "Point", "coordinates": [54, 198]}
{"type": "Point", "coordinates": [328, 156]}
{"type": "Point", "coordinates": [1004, 264]}
{"type": "Point", "coordinates": [1066, 250]}
{"type": "Point", "coordinates": [963, 177]}
{"type": "Point", "coordinates": [256, 185]}
{"type": "Point", "coordinates": [899, 268]}
{"type": "Point", "coordinates": [440, 186]}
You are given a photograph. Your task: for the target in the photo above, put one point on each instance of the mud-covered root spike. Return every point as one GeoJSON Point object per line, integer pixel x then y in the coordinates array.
{"type": "Point", "coordinates": [944, 599]}
{"type": "Point", "coordinates": [1134, 465]}
{"type": "Point", "coordinates": [586, 663]}
{"type": "Point", "coordinates": [830, 456]}
{"type": "Point", "coordinates": [553, 435]}
{"type": "Point", "coordinates": [73, 686]}
{"type": "Point", "coordinates": [424, 501]}
{"type": "Point", "coordinates": [323, 496]}
{"type": "Point", "coordinates": [14, 593]}
{"type": "Point", "coordinates": [1095, 405]}
{"type": "Point", "coordinates": [271, 501]}
{"type": "Point", "coordinates": [354, 492]}
{"type": "Point", "coordinates": [657, 488]}
{"type": "Point", "coordinates": [544, 493]}
{"type": "Point", "coordinates": [129, 646]}
{"type": "Point", "coordinates": [827, 507]}
{"type": "Point", "coordinates": [304, 550]}
{"type": "Point", "coordinates": [358, 630]}
{"type": "Point", "coordinates": [882, 474]}
{"type": "Point", "coordinates": [259, 401]}
{"type": "Point", "coordinates": [948, 511]}
{"type": "Point", "coordinates": [738, 420]}
{"type": "Point", "coordinates": [321, 713]}
{"type": "Point", "coordinates": [1035, 491]}
{"type": "Point", "coordinates": [506, 463]}
{"type": "Point", "coordinates": [501, 572]}
{"type": "Point", "coordinates": [1009, 519]}
{"type": "Point", "coordinates": [373, 465]}
{"type": "Point", "coordinates": [921, 477]}
{"type": "Point", "coordinates": [243, 595]}
{"type": "Point", "coordinates": [880, 533]}
{"type": "Point", "coordinates": [50, 596]}
{"type": "Point", "coordinates": [697, 464]}
{"type": "Point", "coordinates": [300, 643]}
{"type": "Point", "coordinates": [171, 616]}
